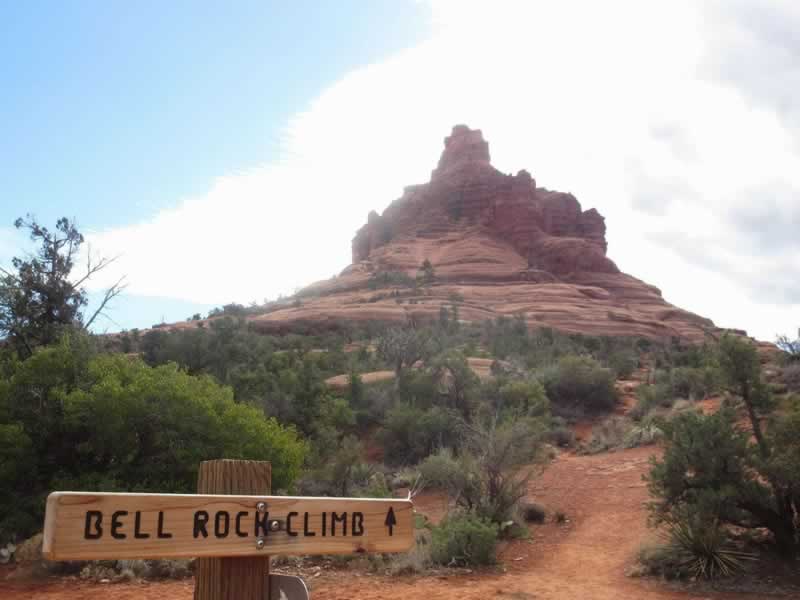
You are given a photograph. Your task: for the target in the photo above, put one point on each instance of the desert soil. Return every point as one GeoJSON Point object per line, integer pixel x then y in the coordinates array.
{"type": "Point", "coordinates": [585, 558]}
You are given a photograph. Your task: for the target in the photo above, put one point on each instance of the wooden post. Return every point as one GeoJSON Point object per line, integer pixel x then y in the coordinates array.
{"type": "Point", "coordinates": [233, 578]}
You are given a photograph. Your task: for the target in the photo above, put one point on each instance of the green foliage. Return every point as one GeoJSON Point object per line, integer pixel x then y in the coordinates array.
{"type": "Point", "coordinates": [578, 385]}
{"type": "Point", "coordinates": [741, 371]}
{"type": "Point", "coordinates": [647, 432]}
{"type": "Point", "coordinates": [790, 377]}
{"type": "Point", "coordinates": [356, 392]}
{"type": "Point", "coordinates": [39, 300]}
{"type": "Point", "coordinates": [522, 398]}
{"type": "Point", "coordinates": [426, 273]}
{"type": "Point", "coordinates": [506, 337]}
{"type": "Point", "coordinates": [623, 363]}
{"type": "Point", "coordinates": [455, 297]}
{"type": "Point", "coordinates": [20, 509]}
{"type": "Point", "coordinates": [711, 469]}
{"type": "Point", "coordinates": [704, 545]}
{"type": "Point", "coordinates": [649, 397]}
{"type": "Point", "coordinates": [662, 560]}
{"type": "Point", "coordinates": [495, 467]}
{"type": "Point", "coordinates": [694, 548]}
{"type": "Point", "coordinates": [491, 472]}
{"type": "Point", "coordinates": [109, 422]}
{"type": "Point", "coordinates": [402, 347]}
{"type": "Point", "coordinates": [560, 433]}
{"type": "Point", "coordinates": [459, 382]}
{"type": "Point", "coordinates": [693, 383]}
{"type": "Point", "coordinates": [464, 540]}
{"type": "Point", "coordinates": [338, 468]}
{"type": "Point", "coordinates": [287, 383]}
{"type": "Point", "coordinates": [383, 279]}
{"type": "Point", "coordinates": [676, 354]}
{"type": "Point", "coordinates": [410, 434]}
{"type": "Point", "coordinates": [449, 319]}
{"type": "Point", "coordinates": [441, 471]}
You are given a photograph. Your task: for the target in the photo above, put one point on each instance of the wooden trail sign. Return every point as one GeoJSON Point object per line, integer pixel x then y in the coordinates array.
{"type": "Point", "coordinates": [86, 526]}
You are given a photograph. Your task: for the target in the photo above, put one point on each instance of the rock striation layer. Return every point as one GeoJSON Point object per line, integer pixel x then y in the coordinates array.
{"type": "Point", "coordinates": [498, 245]}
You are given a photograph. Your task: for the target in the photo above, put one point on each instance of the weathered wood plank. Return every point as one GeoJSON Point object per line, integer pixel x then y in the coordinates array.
{"type": "Point", "coordinates": [83, 526]}
{"type": "Point", "coordinates": [226, 578]}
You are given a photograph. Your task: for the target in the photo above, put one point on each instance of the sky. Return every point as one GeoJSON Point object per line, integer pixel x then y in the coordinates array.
{"type": "Point", "coordinates": [227, 152]}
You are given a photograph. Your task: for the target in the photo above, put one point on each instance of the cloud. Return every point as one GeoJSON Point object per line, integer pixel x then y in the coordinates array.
{"type": "Point", "coordinates": [655, 193]}
{"type": "Point", "coordinates": [768, 217]}
{"type": "Point", "coordinates": [755, 48]}
{"type": "Point", "coordinates": [625, 104]}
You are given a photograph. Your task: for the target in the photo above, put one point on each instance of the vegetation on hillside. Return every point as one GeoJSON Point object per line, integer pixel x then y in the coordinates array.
{"type": "Point", "coordinates": [139, 411]}
{"type": "Point", "coordinates": [735, 469]}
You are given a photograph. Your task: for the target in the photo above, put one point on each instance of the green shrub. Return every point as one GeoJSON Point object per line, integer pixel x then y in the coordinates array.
{"type": "Point", "coordinates": [441, 470]}
{"type": "Point", "coordinates": [522, 398]}
{"type": "Point", "coordinates": [663, 560]}
{"type": "Point", "coordinates": [455, 297]}
{"type": "Point", "coordinates": [578, 385]}
{"type": "Point", "coordinates": [647, 432]}
{"type": "Point", "coordinates": [415, 561]}
{"type": "Point", "coordinates": [704, 543]}
{"type": "Point", "coordinates": [337, 466]}
{"type": "Point", "coordinates": [112, 423]}
{"type": "Point", "coordinates": [507, 336]}
{"type": "Point", "coordinates": [693, 383]}
{"type": "Point", "coordinates": [376, 487]}
{"type": "Point", "coordinates": [426, 274]}
{"type": "Point", "coordinates": [389, 279]}
{"type": "Point", "coordinates": [712, 467]}
{"type": "Point", "coordinates": [410, 434]}
{"type": "Point", "coordinates": [609, 434]}
{"type": "Point", "coordinates": [694, 548]}
{"type": "Point", "coordinates": [790, 376]}
{"type": "Point", "coordinates": [623, 363]}
{"type": "Point", "coordinates": [495, 467]}
{"type": "Point", "coordinates": [464, 540]}
{"type": "Point", "coordinates": [650, 397]}
{"type": "Point", "coordinates": [560, 433]}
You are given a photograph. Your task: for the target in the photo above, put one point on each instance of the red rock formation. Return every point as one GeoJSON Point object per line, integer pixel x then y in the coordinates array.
{"type": "Point", "coordinates": [499, 242]}
{"type": "Point", "coordinates": [465, 190]}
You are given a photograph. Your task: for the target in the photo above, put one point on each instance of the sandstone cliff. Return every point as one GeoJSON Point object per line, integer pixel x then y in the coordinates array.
{"type": "Point", "coordinates": [498, 245]}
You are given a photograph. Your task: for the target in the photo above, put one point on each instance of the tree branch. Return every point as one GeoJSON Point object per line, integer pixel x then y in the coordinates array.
{"type": "Point", "coordinates": [112, 292]}
{"type": "Point", "coordinates": [92, 269]}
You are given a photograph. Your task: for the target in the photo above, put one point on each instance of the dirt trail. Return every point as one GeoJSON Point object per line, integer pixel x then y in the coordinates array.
{"type": "Point", "coordinates": [583, 559]}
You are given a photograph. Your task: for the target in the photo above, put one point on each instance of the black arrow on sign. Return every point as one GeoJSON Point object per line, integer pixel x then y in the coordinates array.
{"type": "Point", "coordinates": [390, 521]}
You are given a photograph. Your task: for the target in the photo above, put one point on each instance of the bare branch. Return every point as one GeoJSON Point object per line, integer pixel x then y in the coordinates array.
{"type": "Point", "coordinates": [111, 293]}
{"type": "Point", "coordinates": [92, 269]}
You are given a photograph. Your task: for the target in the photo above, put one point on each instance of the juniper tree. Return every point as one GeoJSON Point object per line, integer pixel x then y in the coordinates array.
{"type": "Point", "coordinates": [40, 296]}
{"type": "Point", "coordinates": [713, 472]}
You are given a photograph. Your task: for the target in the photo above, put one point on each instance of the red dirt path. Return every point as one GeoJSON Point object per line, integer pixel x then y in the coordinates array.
{"type": "Point", "coordinates": [583, 559]}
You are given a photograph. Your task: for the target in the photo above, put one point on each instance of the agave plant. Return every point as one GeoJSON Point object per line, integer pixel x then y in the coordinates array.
{"type": "Point", "coordinates": [705, 547]}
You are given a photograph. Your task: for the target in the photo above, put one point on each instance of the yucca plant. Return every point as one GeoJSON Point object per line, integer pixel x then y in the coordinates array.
{"type": "Point", "coordinates": [708, 554]}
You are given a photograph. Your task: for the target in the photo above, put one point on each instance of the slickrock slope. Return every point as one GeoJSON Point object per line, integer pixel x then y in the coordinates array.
{"type": "Point", "coordinates": [499, 245]}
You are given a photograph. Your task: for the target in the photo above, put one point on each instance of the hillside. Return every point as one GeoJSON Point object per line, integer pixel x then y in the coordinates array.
{"type": "Point", "coordinates": [497, 245]}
